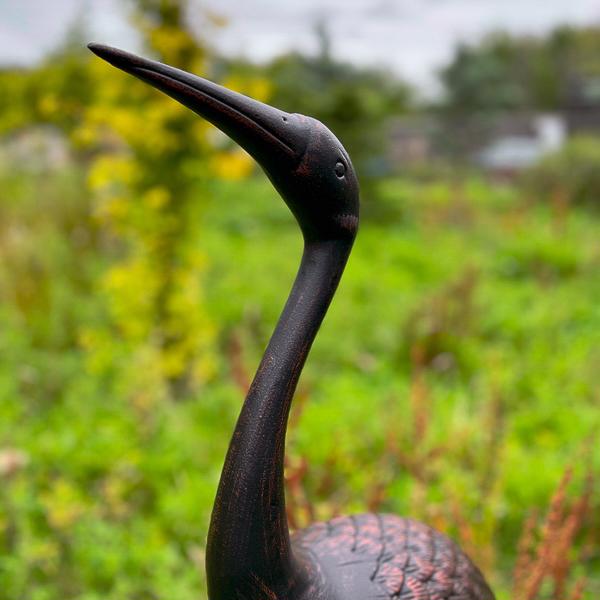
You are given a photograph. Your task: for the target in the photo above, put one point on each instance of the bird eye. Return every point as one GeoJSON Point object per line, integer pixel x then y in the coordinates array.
{"type": "Point", "coordinates": [340, 169]}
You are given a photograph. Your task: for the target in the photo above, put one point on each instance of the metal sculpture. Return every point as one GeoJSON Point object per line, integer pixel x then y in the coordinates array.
{"type": "Point", "coordinates": [250, 553]}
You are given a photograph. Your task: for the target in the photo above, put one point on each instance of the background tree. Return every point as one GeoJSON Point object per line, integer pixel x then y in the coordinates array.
{"type": "Point", "coordinates": [508, 72]}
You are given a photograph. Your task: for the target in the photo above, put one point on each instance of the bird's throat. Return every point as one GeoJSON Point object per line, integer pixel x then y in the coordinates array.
{"type": "Point", "coordinates": [248, 552]}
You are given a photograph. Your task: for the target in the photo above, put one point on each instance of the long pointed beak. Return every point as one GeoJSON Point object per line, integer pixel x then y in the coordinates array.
{"type": "Point", "coordinates": [271, 136]}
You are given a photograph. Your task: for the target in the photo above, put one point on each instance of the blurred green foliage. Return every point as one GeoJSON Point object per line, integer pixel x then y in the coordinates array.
{"type": "Point", "coordinates": [469, 371]}
{"type": "Point", "coordinates": [139, 284]}
{"type": "Point", "coordinates": [569, 175]}
{"type": "Point", "coordinates": [521, 72]}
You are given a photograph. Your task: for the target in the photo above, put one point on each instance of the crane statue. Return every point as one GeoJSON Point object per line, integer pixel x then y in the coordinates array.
{"type": "Point", "coordinates": [250, 553]}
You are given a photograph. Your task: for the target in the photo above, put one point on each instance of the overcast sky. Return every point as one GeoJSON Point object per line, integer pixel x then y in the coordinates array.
{"type": "Point", "coordinates": [414, 37]}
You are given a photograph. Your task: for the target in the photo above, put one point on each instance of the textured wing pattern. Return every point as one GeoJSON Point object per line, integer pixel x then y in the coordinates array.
{"type": "Point", "coordinates": [382, 557]}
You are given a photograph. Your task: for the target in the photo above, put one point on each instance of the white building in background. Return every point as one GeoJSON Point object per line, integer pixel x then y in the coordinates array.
{"type": "Point", "coordinates": [503, 144]}
{"type": "Point", "coordinates": [516, 151]}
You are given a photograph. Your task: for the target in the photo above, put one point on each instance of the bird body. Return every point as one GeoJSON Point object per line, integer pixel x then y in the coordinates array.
{"type": "Point", "coordinates": [381, 556]}
{"type": "Point", "coordinates": [250, 554]}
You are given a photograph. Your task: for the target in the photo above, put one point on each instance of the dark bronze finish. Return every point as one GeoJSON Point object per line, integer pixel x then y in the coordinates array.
{"type": "Point", "coordinates": [250, 554]}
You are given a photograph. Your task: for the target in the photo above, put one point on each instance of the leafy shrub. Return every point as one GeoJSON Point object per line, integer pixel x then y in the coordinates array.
{"type": "Point", "coordinates": [572, 174]}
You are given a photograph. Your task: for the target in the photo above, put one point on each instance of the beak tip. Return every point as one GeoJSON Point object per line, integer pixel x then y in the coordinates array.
{"type": "Point", "coordinates": [96, 48]}
{"type": "Point", "coordinates": [114, 56]}
{"type": "Point", "coordinates": [104, 52]}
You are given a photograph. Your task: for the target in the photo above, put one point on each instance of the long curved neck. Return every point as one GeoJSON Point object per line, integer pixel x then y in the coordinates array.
{"type": "Point", "coordinates": [248, 552]}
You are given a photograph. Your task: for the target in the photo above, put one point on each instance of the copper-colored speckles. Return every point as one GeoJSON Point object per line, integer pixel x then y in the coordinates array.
{"type": "Point", "coordinates": [392, 576]}
{"type": "Point", "coordinates": [417, 589]}
{"type": "Point", "coordinates": [263, 588]}
{"type": "Point", "coordinates": [347, 222]}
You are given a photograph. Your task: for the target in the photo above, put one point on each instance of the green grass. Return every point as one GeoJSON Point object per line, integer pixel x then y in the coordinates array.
{"type": "Point", "coordinates": [455, 375]}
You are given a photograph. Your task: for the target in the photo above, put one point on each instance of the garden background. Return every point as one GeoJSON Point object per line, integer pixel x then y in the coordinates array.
{"type": "Point", "coordinates": [144, 260]}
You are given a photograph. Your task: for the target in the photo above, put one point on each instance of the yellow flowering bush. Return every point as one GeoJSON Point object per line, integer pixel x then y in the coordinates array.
{"type": "Point", "coordinates": [155, 157]}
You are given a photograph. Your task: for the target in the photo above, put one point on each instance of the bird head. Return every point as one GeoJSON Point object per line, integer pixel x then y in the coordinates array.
{"type": "Point", "coordinates": [304, 160]}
